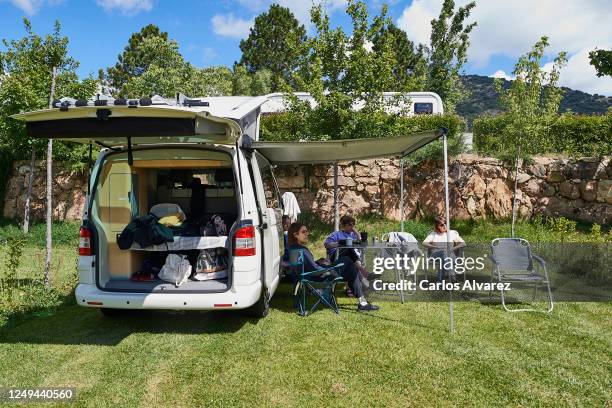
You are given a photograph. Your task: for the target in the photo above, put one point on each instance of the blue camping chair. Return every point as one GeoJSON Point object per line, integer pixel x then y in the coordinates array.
{"type": "Point", "coordinates": [319, 284]}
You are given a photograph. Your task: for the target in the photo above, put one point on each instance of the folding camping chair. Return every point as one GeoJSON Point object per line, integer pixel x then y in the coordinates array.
{"type": "Point", "coordinates": [320, 284]}
{"type": "Point", "coordinates": [513, 263]}
{"type": "Point", "coordinates": [402, 243]}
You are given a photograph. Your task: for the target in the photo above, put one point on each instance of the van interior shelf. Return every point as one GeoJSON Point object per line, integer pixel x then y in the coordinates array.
{"type": "Point", "coordinates": [182, 243]}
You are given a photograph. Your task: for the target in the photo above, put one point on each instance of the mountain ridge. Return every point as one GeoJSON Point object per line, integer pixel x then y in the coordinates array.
{"type": "Point", "coordinates": [483, 99]}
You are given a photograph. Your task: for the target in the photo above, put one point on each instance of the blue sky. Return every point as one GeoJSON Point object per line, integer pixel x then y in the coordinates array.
{"type": "Point", "coordinates": [209, 32]}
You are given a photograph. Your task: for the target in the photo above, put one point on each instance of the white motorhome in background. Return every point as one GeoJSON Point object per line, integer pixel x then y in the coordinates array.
{"type": "Point", "coordinates": [152, 148]}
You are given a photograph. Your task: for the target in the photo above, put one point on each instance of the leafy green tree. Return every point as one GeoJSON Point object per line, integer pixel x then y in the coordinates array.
{"type": "Point", "coordinates": [245, 83]}
{"type": "Point", "coordinates": [25, 82]}
{"type": "Point", "coordinates": [32, 70]}
{"type": "Point", "coordinates": [340, 71]}
{"type": "Point", "coordinates": [135, 59]}
{"type": "Point", "coordinates": [168, 73]}
{"type": "Point", "coordinates": [602, 61]}
{"type": "Point", "coordinates": [532, 105]}
{"type": "Point", "coordinates": [273, 44]}
{"type": "Point", "coordinates": [532, 101]}
{"type": "Point", "coordinates": [448, 53]}
{"type": "Point", "coordinates": [410, 63]}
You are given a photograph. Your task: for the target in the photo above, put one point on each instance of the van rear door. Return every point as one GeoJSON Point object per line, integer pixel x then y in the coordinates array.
{"type": "Point", "coordinates": [110, 126]}
{"type": "Point", "coordinates": [269, 204]}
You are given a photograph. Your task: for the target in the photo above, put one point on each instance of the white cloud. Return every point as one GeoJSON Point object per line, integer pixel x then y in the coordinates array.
{"type": "Point", "coordinates": [580, 74]}
{"type": "Point", "coordinates": [502, 74]}
{"type": "Point", "coordinates": [31, 7]}
{"type": "Point", "coordinates": [511, 28]}
{"type": "Point", "coordinates": [126, 7]}
{"type": "Point", "coordinates": [227, 25]}
{"type": "Point", "coordinates": [416, 20]}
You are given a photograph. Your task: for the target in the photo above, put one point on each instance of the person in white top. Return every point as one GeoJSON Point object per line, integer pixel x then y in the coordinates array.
{"type": "Point", "coordinates": [437, 239]}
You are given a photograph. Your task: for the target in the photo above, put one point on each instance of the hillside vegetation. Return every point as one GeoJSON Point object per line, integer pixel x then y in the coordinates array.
{"type": "Point", "coordinates": [483, 100]}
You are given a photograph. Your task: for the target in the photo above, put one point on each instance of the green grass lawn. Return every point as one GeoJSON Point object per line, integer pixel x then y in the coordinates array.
{"type": "Point", "coordinates": [402, 355]}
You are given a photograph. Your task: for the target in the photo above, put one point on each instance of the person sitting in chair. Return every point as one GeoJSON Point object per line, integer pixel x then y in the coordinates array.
{"type": "Point", "coordinates": [334, 240]}
{"type": "Point", "coordinates": [436, 241]}
{"type": "Point", "coordinates": [298, 238]}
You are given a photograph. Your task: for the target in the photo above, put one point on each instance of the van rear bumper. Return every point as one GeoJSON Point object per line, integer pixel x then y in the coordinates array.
{"type": "Point", "coordinates": [238, 297]}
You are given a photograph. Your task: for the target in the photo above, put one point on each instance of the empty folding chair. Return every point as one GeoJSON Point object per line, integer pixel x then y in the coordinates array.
{"type": "Point", "coordinates": [402, 243]}
{"type": "Point", "coordinates": [319, 284]}
{"type": "Point", "coordinates": [513, 263]}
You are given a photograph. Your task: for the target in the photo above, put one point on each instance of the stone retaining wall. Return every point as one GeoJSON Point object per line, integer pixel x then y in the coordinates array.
{"type": "Point", "coordinates": [69, 190]}
{"type": "Point", "coordinates": [480, 187]}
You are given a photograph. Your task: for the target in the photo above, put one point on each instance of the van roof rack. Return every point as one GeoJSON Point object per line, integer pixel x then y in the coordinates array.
{"type": "Point", "coordinates": [106, 100]}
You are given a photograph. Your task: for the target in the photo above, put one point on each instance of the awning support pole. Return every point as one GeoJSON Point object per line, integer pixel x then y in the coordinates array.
{"type": "Point", "coordinates": [89, 168]}
{"type": "Point", "coordinates": [402, 193]}
{"type": "Point", "coordinates": [336, 213]}
{"type": "Point", "coordinates": [448, 226]}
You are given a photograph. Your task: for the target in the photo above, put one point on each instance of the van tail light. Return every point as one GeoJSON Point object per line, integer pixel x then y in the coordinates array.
{"type": "Point", "coordinates": [244, 241]}
{"type": "Point", "coordinates": [85, 242]}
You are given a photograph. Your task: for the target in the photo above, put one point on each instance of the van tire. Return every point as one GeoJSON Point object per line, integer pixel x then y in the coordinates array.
{"type": "Point", "coordinates": [111, 312]}
{"type": "Point", "coordinates": [261, 308]}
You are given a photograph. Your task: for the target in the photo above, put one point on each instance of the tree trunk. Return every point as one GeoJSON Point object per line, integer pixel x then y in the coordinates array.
{"type": "Point", "coordinates": [516, 167]}
{"type": "Point", "coordinates": [49, 188]}
{"type": "Point", "coordinates": [26, 211]}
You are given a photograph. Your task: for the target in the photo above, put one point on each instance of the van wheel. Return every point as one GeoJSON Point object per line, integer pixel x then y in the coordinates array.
{"type": "Point", "coordinates": [111, 312]}
{"type": "Point", "coordinates": [261, 308]}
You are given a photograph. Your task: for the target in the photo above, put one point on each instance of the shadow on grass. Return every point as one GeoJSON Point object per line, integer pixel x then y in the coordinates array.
{"type": "Point", "coordinates": [72, 324]}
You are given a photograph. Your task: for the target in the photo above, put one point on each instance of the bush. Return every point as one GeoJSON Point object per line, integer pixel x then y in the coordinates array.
{"type": "Point", "coordinates": [307, 124]}
{"type": "Point", "coordinates": [573, 135]}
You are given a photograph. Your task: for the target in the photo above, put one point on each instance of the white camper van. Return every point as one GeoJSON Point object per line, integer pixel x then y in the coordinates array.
{"type": "Point", "coordinates": [201, 158]}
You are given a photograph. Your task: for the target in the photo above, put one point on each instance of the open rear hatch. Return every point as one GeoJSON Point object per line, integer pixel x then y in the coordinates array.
{"type": "Point", "coordinates": [110, 126]}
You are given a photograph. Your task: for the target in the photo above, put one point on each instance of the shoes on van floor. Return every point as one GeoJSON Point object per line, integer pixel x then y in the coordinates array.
{"type": "Point", "coordinates": [368, 307]}
{"type": "Point", "coordinates": [142, 277]}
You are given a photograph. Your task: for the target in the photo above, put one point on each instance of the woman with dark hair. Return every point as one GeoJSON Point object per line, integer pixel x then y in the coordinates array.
{"type": "Point", "coordinates": [298, 238]}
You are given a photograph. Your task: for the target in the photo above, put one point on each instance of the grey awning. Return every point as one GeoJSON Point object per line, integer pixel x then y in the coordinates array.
{"type": "Point", "coordinates": [343, 150]}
